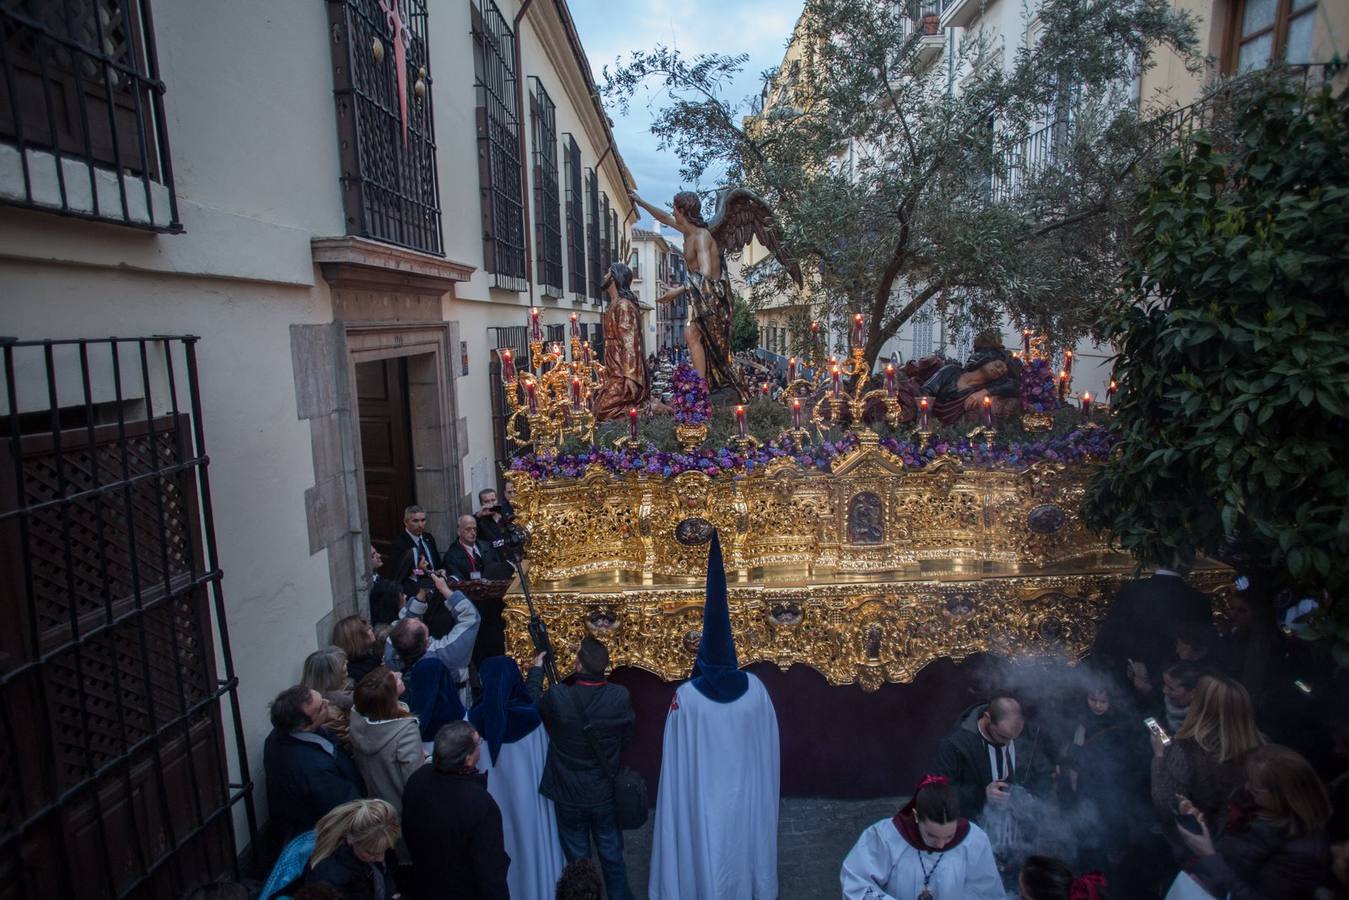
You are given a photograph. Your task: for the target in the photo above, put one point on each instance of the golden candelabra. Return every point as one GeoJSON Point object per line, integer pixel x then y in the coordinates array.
{"type": "Point", "coordinates": [554, 397]}
{"type": "Point", "coordinates": [838, 396]}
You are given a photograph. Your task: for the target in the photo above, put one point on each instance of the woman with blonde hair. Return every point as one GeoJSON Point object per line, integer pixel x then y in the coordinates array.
{"type": "Point", "coordinates": [385, 737]}
{"type": "Point", "coordinates": [1205, 760]}
{"type": "Point", "coordinates": [1274, 845]}
{"type": "Point", "coordinates": [350, 844]}
{"type": "Point", "coordinates": [325, 671]}
{"type": "Point", "coordinates": [356, 637]}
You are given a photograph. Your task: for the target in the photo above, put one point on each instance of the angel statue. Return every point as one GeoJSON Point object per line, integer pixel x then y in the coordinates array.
{"type": "Point", "coordinates": [740, 216]}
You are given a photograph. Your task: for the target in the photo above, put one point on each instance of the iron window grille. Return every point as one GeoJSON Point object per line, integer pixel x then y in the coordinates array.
{"type": "Point", "coordinates": [499, 174]}
{"type": "Point", "coordinates": [114, 770]}
{"type": "Point", "coordinates": [547, 203]}
{"type": "Point", "coordinates": [82, 113]}
{"type": "Point", "coordinates": [389, 188]}
{"type": "Point", "coordinates": [593, 234]}
{"type": "Point", "coordinates": [606, 235]}
{"type": "Point", "coordinates": [576, 242]}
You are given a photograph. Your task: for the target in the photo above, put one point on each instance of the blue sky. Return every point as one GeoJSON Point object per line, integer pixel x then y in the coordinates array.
{"type": "Point", "coordinates": [609, 30]}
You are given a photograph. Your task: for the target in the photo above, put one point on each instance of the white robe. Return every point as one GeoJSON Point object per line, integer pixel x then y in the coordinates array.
{"type": "Point", "coordinates": [882, 865]}
{"type": "Point", "coordinates": [716, 828]}
{"type": "Point", "coordinates": [528, 819]}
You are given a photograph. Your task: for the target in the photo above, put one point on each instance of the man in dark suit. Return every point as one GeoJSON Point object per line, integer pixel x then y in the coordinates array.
{"type": "Point", "coordinates": [308, 772]}
{"type": "Point", "coordinates": [414, 537]}
{"type": "Point", "coordinates": [469, 559]}
{"type": "Point", "coordinates": [452, 826]}
{"type": "Point", "coordinates": [1142, 625]}
{"type": "Point", "coordinates": [385, 596]}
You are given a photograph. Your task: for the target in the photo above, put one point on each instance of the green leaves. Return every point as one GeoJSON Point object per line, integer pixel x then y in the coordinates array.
{"type": "Point", "coordinates": [1235, 386]}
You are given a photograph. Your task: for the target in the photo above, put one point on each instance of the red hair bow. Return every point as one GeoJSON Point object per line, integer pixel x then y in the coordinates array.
{"type": "Point", "coordinates": [1088, 887]}
{"type": "Point", "coordinates": [929, 780]}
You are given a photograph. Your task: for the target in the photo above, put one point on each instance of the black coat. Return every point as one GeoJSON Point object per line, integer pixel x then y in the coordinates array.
{"type": "Point", "coordinates": [355, 880]}
{"type": "Point", "coordinates": [572, 774]}
{"type": "Point", "coordinates": [402, 546]}
{"type": "Point", "coordinates": [1142, 622]}
{"type": "Point", "coordinates": [962, 757]}
{"type": "Point", "coordinates": [457, 564]}
{"type": "Point", "coordinates": [452, 827]}
{"type": "Point", "coordinates": [1262, 863]}
{"type": "Point", "coordinates": [384, 598]}
{"type": "Point", "coordinates": [304, 782]}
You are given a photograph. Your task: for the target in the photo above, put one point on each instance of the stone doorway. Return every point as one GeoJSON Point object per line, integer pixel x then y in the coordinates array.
{"type": "Point", "coordinates": [385, 430]}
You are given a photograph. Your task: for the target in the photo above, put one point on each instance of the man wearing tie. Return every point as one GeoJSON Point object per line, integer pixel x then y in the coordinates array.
{"type": "Point", "coordinates": [414, 544]}
{"type": "Point", "coordinates": [468, 557]}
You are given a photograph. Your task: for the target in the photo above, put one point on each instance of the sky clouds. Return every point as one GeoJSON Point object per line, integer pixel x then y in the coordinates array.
{"type": "Point", "coordinates": [608, 31]}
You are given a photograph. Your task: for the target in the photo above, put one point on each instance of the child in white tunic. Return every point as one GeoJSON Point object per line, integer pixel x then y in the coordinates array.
{"type": "Point", "coordinates": [926, 852]}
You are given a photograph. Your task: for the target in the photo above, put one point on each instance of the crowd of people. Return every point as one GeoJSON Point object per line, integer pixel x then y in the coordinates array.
{"type": "Point", "coordinates": [1224, 777]}
{"type": "Point", "coordinates": [415, 759]}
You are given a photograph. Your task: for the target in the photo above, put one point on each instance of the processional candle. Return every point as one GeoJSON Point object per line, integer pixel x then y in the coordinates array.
{"type": "Point", "coordinates": [796, 413]}
{"type": "Point", "coordinates": [923, 405]}
{"type": "Point", "coordinates": [531, 401]}
{"type": "Point", "coordinates": [585, 352]}
{"type": "Point", "coordinates": [857, 331]}
{"type": "Point", "coordinates": [1063, 384]}
{"type": "Point", "coordinates": [988, 412]}
{"type": "Point", "coordinates": [1025, 342]}
{"type": "Point", "coordinates": [890, 386]}
{"type": "Point", "coordinates": [632, 422]}
{"type": "Point", "coordinates": [765, 389]}
{"type": "Point", "coordinates": [836, 381]}
{"type": "Point", "coordinates": [507, 366]}
{"type": "Point", "coordinates": [576, 393]}
{"type": "Point", "coordinates": [740, 420]}
{"type": "Point", "coordinates": [575, 328]}
{"type": "Point", "coordinates": [1110, 392]}
{"type": "Point", "coordinates": [791, 369]}
{"type": "Point", "coordinates": [1068, 362]}
{"type": "Point", "coordinates": [535, 327]}
{"type": "Point", "coordinates": [1086, 404]}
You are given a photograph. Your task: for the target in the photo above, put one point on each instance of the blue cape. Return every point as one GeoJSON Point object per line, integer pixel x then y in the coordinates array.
{"type": "Point", "coordinates": [716, 674]}
{"type": "Point", "coordinates": [432, 695]}
{"type": "Point", "coordinates": [504, 713]}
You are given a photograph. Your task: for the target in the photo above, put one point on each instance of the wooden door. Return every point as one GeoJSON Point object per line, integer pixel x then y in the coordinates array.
{"type": "Point", "coordinates": [386, 447]}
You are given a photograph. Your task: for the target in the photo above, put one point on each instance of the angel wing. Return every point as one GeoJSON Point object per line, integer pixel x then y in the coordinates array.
{"type": "Point", "coordinates": [742, 215]}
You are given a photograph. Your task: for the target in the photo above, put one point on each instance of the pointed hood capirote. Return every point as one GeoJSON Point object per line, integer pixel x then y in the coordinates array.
{"type": "Point", "coordinates": [504, 714]}
{"type": "Point", "coordinates": [716, 673]}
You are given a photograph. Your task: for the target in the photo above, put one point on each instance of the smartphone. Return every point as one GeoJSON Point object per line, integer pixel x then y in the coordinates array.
{"type": "Point", "coordinates": [1158, 730]}
{"type": "Point", "coordinates": [1302, 686]}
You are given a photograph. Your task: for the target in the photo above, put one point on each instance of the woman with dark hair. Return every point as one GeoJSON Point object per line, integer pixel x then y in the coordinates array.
{"type": "Point", "coordinates": [1274, 844]}
{"type": "Point", "coordinates": [385, 737]}
{"type": "Point", "coordinates": [926, 851]}
{"type": "Point", "coordinates": [1046, 878]}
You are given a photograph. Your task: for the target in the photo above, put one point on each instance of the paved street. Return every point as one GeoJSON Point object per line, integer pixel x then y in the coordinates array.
{"type": "Point", "coordinates": [813, 837]}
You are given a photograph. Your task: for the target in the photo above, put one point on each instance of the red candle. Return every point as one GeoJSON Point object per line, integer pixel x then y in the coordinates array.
{"type": "Point", "coordinates": [535, 327]}
{"type": "Point", "coordinates": [1110, 392]}
{"type": "Point", "coordinates": [765, 388]}
{"type": "Point", "coordinates": [988, 412]}
{"type": "Point", "coordinates": [836, 380]}
{"type": "Point", "coordinates": [1068, 362]}
{"type": "Point", "coordinates": [1086, 403]}
{"type": "Point", "coordinates": [576, 393]}
{"type": "Point", "coordinates": [1063, 384]}
{"type": "Point", "coordinates": [857, 331]}
{"type": "Point", "coordinates": [507, 366]}
{"type": "Point", "coordinates": [740, 420]}
{"type": "Point", "coordinates": [890, 386]}
{"type": "Point", "coordinates": [791, 370]}
{"type": "Point", "coordinates": [815, 328]}
{"type": "Point", "coordinates": [1025, 342]}
{"type": "Point", "coordinates": [923, 405]}
{"type": "Point", "coordinates": [530, 400]}
{"type": "Point", "coordinates": [585, 352]}
{"type": "Point", "coordinates": [632, 422]}
{"type": "Point", "coordinates": [796, 413]}
{"type": "Point", "coordinates": [575, 328]}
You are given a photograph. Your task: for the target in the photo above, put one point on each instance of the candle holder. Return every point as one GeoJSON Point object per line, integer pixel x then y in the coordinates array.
{"type": "Point", "coordinates": [855, 400]}
{"type": "Point", "coordinates": [982, 434]}
{"type": "Point", "coordinates": [743, 443]}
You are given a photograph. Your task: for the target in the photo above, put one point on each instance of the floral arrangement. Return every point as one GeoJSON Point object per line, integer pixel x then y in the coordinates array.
{"type": "Point", "coordinates": [1039, 390]}
{"type": "Point", "coordinates": [1080, 444]}
{"type": "Point", "coordinates": [689, 396]}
